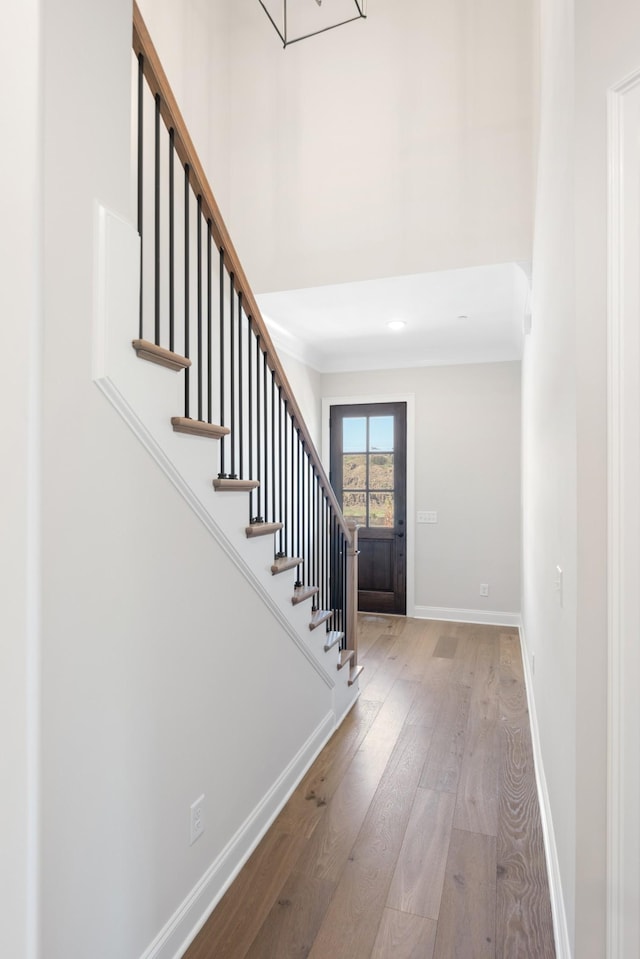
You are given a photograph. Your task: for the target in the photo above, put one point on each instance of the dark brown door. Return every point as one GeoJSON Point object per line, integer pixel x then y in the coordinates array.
{"type": "Point", "coordinates": [368, 473]}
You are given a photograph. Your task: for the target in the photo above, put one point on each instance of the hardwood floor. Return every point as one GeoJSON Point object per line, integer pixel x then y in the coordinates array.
{"type": "Point", "coordinates": [416, 834]}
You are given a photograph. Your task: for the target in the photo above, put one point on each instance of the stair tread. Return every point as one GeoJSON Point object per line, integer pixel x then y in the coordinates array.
{"type": "Point", "coordinates": [332, 639]}
{"type": "Point", "coordinates": [183, 424]}
{"type": "Point", "coordinates": [346, 655]}
{"type": "Point", "coordinates": [283, 563]}
{"type": "Point", "coordinates": [302, 593]}
{"type": "Point", "coordinates": [237, 485]}
{"type": "Point", "coordinates": [262, 529]}
{"type": "Point", "coordinates": [319, 617]}
{"type": "Point", "coordinates": [147, 350]}
{"type": "Point", "coordinates": [354, 673]}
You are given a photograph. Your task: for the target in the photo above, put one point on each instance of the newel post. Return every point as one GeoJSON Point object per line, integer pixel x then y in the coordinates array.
{"type": "Point", "coordinates": [352, 591]}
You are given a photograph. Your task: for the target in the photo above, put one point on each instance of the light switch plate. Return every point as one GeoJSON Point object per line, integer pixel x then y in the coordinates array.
{"type": "Point", "coordinates": [427, 516]}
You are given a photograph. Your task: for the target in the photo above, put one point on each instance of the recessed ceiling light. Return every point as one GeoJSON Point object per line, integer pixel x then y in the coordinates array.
{"type": "Point", "coordinates": [462, 316]}
{"type": "Point", "coordinates": [396, 325]}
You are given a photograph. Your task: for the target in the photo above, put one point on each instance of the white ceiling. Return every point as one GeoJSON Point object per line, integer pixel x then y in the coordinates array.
{"type": "Point", "coordinates": [473, 315]}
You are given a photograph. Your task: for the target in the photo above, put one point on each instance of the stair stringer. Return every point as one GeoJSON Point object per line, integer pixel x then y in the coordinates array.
{"type": "Point", "coordinates": [147, 396]}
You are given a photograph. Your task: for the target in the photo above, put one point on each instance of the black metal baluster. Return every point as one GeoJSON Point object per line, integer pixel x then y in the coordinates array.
{"type": "Point", "coordinates": [258, 432]}
{"type": "Point", "coordinates": [140, 171]}
{"type": "Point", "coordinates": [232, 375]}
{"type": "Point", "coordinates": [321, 570]}
{"type": "Point", "coordinates": [342, 568]}
{"type": "Point", "coordinates": [291, 486]}
{"type": "Point", "coordinates": [265, 433]}
{"type": "Point", "coordinates": [345, 594]}
{"type": "Point", "coordinates": [314, 518]}
{"type": "Point", "coordinates": [334, 570]}
{"type": "Point", "coordinates": [284, 542]}
{"type": "Point", "coordinates": [274, 514]}
{"type": "Point", "coordinates": [253, 496]}
{"type": "Point", "coordinates": [305, 515]}
{"type": "Point", "coordinates": [156, 243]}
{"type": "Point", "coordinates": [199, 296]}
{"type": "Point", "coordinates": [186, 287]}
{"type": "Point", "coordinates": [299, 502]}
{"type": "Point", "coordinates": [222, 473]}
{"type": "Point", "coordinates": [209, 326]}
{"type": "Point", "coordinates": [240, 392]}
{"type": "Point", "coordinates": [322, 599]}
{"type": "Point", "coordinates": [282, 445]}
{"type": "Point", "coordinates": [309, 522]}
{"type": "Point", "coordinates": [172, 288]}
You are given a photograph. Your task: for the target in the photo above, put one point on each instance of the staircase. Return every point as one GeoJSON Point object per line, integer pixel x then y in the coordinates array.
{"type": "Point", "coordinates": [216, 390]}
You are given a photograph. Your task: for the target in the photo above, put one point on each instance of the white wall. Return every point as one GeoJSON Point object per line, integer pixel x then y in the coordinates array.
{"type": "Point", "coordinates": [162, 678]}
{"type": "Point", "coordinates": [586, 47]}
{"type": "Point", "coordinates": [306, 385]}
{"type": "Point", "coordinates": [192, 40]}
{"type": "Point", "coordinates": [467, 467]}
{"type": "Point", "coordinates": [20, 302]}
{"type": "Point", "coordinates": [607, 50]}
{"type": "Point", "coordinates": [549, 443]}
{"type": "Point", "coordinates": [396, 145]}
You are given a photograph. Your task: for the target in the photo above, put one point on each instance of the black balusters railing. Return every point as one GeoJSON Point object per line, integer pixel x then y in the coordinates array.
{"type": "Point", "coordinates": [199, 305]}
{"type": "Point", "coordinates": [284, 513]}
{"type": "Point", "coordinates": [282, 469]}
{"type": "Point", "coordinates": [209, 324]}
{"type": "Point", "coordinates": [172, 228]}
{"type": "Point", "coordinates": [260, 491]}
{"type": "Point", "coordinates": [187, 283]}
{"type": "Point", "coordinates": [274, 510]}
{"type": "Point", "coordinates": [254, 506]}
{"type": "Point", "coordinates": [141, 175]}
{"type": "Point", "coordinates": [232, 376]}
{"type": "Point", "coordinates": [265, 437]}
{"type": "Point", "coordinates": [240, 392]}
{"type": "Point", "coordinates": [156, 239]}
{"type": "Point", "coordinates": [236, 379]}
{"type": "Point", "coordinates": [221, 364]}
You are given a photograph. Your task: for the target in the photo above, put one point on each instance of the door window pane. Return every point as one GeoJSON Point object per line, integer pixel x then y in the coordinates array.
{"type": "Point", "coordinates": [354, 471]}
{"type": "Point", "coordinates": [354, 434]}
{"type": "Point", "coordinates": [354, 506]}
{"type": "Point", "coordinates": [381, 471]}
{"type": "Point", "coordinates": [381, 511]}
{"type": "Point", "coordinates": [380, 433]}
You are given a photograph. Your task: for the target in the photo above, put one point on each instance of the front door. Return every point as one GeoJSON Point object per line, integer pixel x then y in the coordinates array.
{"type": "Point", "coordinates": [368, 473]}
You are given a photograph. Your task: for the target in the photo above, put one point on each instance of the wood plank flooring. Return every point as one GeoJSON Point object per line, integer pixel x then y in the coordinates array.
{"type": "Point", "coordinates": [416, 834]}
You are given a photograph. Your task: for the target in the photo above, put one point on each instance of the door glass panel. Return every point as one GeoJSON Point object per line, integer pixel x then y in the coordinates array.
{"type": "Point", "coordinates": [354, 506]}
{"type": "Point", "coordinates": [381, 471]}
{"type": "Point", "coordinates": [354, 471]}
{"type": "Point", "coordinates": [381, 511]}
{"type": "Point", "coordinates": [380, 433]}
{"type": "Point", "coordinates": [354, 434]}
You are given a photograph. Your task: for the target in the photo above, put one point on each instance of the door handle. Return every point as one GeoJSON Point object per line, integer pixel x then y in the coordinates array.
{"type": "Point", "coordinates": [399, 535]}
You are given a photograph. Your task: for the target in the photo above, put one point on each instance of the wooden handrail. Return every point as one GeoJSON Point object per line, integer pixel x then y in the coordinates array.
{"type": "Point", "coordinates": [173, 120]}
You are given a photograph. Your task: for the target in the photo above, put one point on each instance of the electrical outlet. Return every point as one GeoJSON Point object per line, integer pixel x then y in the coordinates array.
{"type": "Point", "coordinates": [484, 589]}
{"type": "Point", "coordinates": [197, 819]}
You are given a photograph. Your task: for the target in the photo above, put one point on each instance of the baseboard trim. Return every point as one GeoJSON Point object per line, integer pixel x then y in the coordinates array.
{"type": "Point", "coordinates": [560, 928]}
{"type": "Point", "coordinates": [479, 616]}
{"type": "Point", "coordinates": [183, 926]}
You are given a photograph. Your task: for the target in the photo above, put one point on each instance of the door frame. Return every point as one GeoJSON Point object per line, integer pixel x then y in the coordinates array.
{"type": "Point", "coordinates": [623, 787]}
{"type": "Point", "coordinates": [410, 400]}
